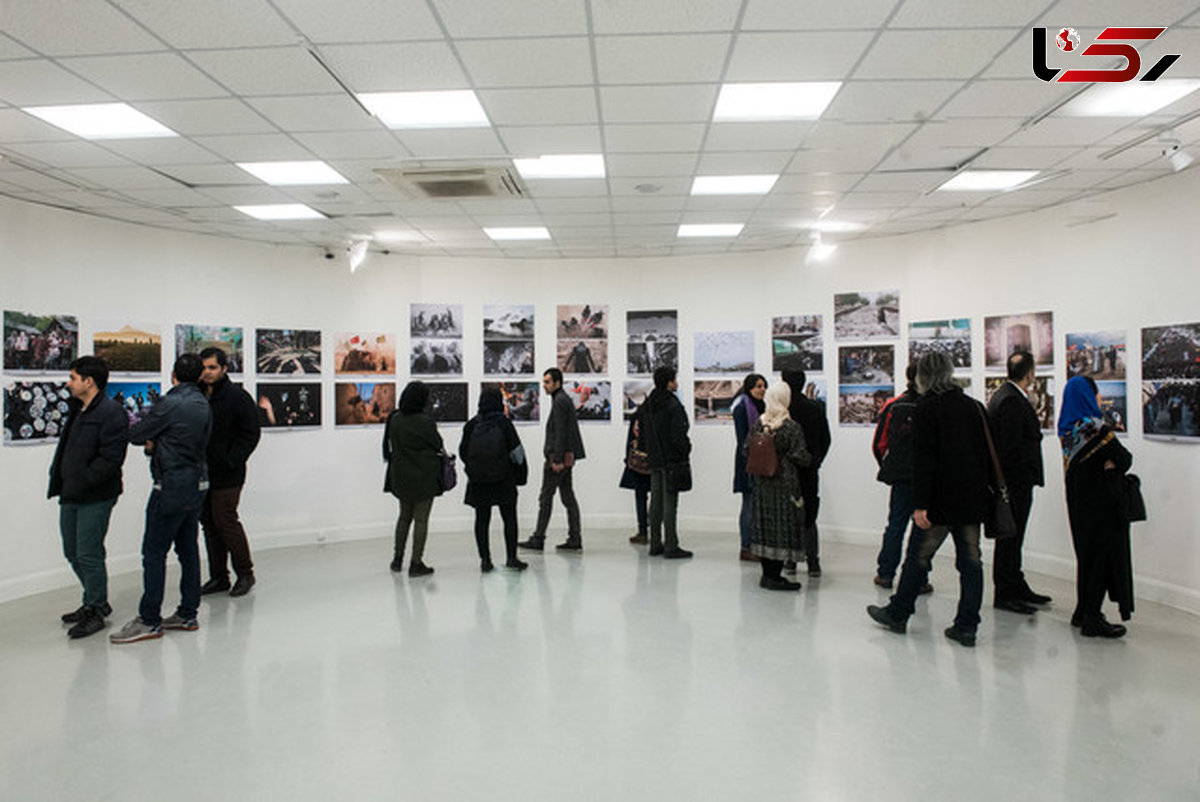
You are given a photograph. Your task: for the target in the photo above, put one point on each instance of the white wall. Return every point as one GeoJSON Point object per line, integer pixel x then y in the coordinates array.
{"type": "Point", "coordinates": [1134, 269]}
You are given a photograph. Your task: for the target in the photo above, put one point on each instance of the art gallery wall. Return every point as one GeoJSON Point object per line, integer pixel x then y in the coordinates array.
{"type": "Point", "coordinates": [1132, 269]}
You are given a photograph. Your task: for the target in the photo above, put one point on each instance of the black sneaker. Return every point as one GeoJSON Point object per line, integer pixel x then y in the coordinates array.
{"type": "Point", "coordinates": [881, 615]}
{"type": "Point", "coordinates": [397, 564]}
{"type": "Point", "coordinates": [242, 586]}
{"type": "Point", "coordinates": [91, 623]}
{"type": "Point", "coordinates": [533, 544]}
{"type": "Point", "coordinates": [214, 586]}
{"type": "Point", "coordinates": [419, 569]}
{"type": "Point", "coordinates": [677, 554]}
{"type": "Point", "coordinates": [965, 638]}
{"type": "Point", "coordinates": [486, 566]}
{"type": "Point", "coordinates": [75, 616]}
{"type": "Point", "coordinates": [656, 551]}
{"type": "Point", "coordinates": [516, 565]}
{"type": "Point", "coordinates": [814, 567]}
{"type": "Point", "coordinates": [777, 583]}
{"type": "Point", "coordinates": [570, 544]}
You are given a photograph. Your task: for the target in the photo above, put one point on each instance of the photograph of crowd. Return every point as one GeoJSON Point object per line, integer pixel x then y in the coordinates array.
{"type": "Point", "coordinates": [582, 356]}
{"type": "Point", "coordinates": [1171, 352]}
{"type": "Point", "coordinates": [1171, 408]}
{"type": "Point", "coordinates": [796, 343]}
{"type": "Point", "coordinates": [363, 403]}
{"type": "Point", "coordinates": [866, 364]}
{"type": "Point", "coordinates": [1005, 334]}
{"type": "Point", "coordinates": [724, 352]}
{"type": "Point", "coordinates": [1099, 354]}
{"type": "Point", "coordinates": [192, 339]}
{"type": "Point", "coordinates": [593, 400]}
{"type": "Point", "coordinates": [587, 322]}
{"type": "Point", "coordinates": [287, 351]}
{"type": "Point", "coordinates": [135, 397]}
{"type": "Point", "coordinates": [432, 357]}
{"type": "Point", "coordinates": [866, 315]}
{"type": "Point", "coordinates": [507, 322]}
{"type": "Point", "coordinates": [522, 400]}
{"type": "Point", "coordinates": [652, 338]}
{"type": "Point", "coordinates": [39, 342]}
{"type": "Point", "coordinates": [129, 348]}
{"type": "Point", "coordinates": [507, 358]}
{"type": "Point", "coordinates": [289, 405]}
{"type": "Point", "coordinates": [712, 400]}
{"type": "Point", "coordinates": [1113, 404]}
{"type": "Point", "coordinates": [860, 404]}
{"type": "Point", "coordinates": [436, 320]}
{"type": "Point", "coordinates": [448, 402]}
{"type": "Point", "coordinates": [34, 411]}
{"type": "Point", "coordinates": [950, 337]}
{"type": "Point", "coordinates": [358, 352]}
{"type": "Point", "coordinates": [634, 392]}
{"type": "Point", "coordinates": [1041, 395]}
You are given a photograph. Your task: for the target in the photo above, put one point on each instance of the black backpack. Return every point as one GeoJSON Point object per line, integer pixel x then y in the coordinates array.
{"type": "Point", "coordinates": [487, 453]}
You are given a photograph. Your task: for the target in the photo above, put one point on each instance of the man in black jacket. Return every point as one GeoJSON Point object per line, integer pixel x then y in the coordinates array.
{"type": "Point", "coordinates": [562, 449]}
{"type": "Point", "coordinates": [1019, 447]}
{"type": "Point", "coordinates": [86, 476]}
{"type": "Point", "coordinates": [663, 428]}
{"type": "Point", "coordinates": [811, 415]}
{"type": "Point", "coordinates": [893, 450]}
{"type": "Point", "coordinates": [235, 433]}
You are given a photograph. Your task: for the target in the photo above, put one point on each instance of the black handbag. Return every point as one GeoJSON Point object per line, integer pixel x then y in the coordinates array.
{"type": "Point", "coordinates": [1133, 506]}
{"type": "Point", "coordinates": [447, 473]}
{"type": "Point", "coordinates": [1000, 523]}
{"type": "Point", "coordinates": [679, 477]}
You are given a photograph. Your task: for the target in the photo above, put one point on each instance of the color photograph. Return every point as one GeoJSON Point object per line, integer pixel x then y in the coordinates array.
{"type": "Point", "coordinates": [434, 357]}
{"type": "Point", "coordinates": [289, 405]}
{"type": "Point", "coordinates": [593, 400]}
{"type": "Point", "coordinates": [635, 392]}
{"type": "Point", "coordinates": [448, 402]}
{"type": "Point", "coordinates": [866, 315]}
{"type": "Point", "coordinates": [1170, 408]}
{"type": "Point", "coordinates": [724, 352]}
{"type": "Point", "coordinates": [131, 348]}
{"type": "Point", "coordinates": [859, 404]}
{"type": "Point", "coordinates": [508, 358]}
{"type": "Point", "coordinates": [1099, 354]}
{"type": "Point", "coordinates": [586, 322]}
{"type": "Point", "coordinates": [363, 352]}
{"type": "Point", "coordinates": [582, 356]}
{"type": "Point", "coordinates": [951, 337]}
{"type": "Point", "coordinates": [866, 364]}
{"type": "Point", "coordinates": [192, 339]}
{"type": "Point", "coordinates": [136, 398]}
{"type": "Point", "coordinates": [712, 400]}
{"type": "Point", "coordinates": [363, 403]}
{"type": "Point", "coordinates": [522, 400]}
{"type": "Point", "coordinates": [287, 351]}
{"type": "Point", "coordinates": [436, 320]}
{"type": "Point", "coordinates": [39, 342]}
{"type": "Point", "coordinates": [797, 344]}
{"type": "Point", "coordinates": [1041, 395]}
{"type": "Point", "coordinates": [34, 412]}
{"type": "Point", "coordinates": [1003, 335]}
{"type": "Point", "coordinates": [507, 322]}
{"type": "Point", "coordinates": [1114, 404]}
{"type": "Point", "coordinates": [1171, 352]}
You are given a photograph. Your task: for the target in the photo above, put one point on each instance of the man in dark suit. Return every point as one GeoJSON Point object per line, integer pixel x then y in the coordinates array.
{"type": "Point", "coordinates": [810, 414]}
{"type": "Point", "coordinates": [1019, 446]}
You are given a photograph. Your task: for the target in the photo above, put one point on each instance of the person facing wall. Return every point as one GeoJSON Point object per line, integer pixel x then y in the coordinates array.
{"type": "Point", "coordinates": [412, 449]}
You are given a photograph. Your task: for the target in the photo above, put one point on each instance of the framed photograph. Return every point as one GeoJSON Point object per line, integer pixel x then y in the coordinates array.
{"type": "Point", "coordinates": [289, 405]}
{"type": "Point", "coordinates": [34, 412]}
{"type": "Point", "coordinates": [1170, 409]}
{"type": "Point", "coordinates": [582, 356]}
{"type": "Point", "coordinates": [724, 352]}
{"type": "Point", "coordinates": [358, 352]}
{"type": "Point", "coordinates": [635, 392]}
{"type": "Point", "coordinates": [507, 322]}
{"type": "Point", "coordinates": [434, 357]}
{"type": "Point", "coordinates": [860, 404]}
{"type": "Point", "coordinates": [1099, 354]}
{"type": "Point", "coordinates": [448, 402]}
{"type": "Point", "coordinates": [1171, 352]}
{"type": "Point", "coordinates": [1114, 404]}
{"type": "Point", "coordinates": [592, 399]}
{"type": "Point", "coordinates": [39, 342]}
{"type": "Point", "coordinates": [192, 339]}
{"type": "Point", "coordinates": [287, 351]}
{"type": "Point", "coordinates": [441, 321]}
{"type": "Point", "coordinates": [130, 348]}
{"type": "Point", "coordinates": [866, 315]}
{"type": "Point", "coordinates": [508, 358]}
{"type": "Point", "coordinates": [867, 364]}
{"type": "Point", "coordinates": [522, 400]}
{"type": "Point", "coordinates": [712, 400]}
{"type": "Point", "coordinates": [1041, 395]}
{"type": "Point", "coordinates": [363, 403]}
{"type": "Point", "coordinates": [586, 322]}
{"type": "Point", "coordinates": [797, 344]}
{"type": "Point", "coordinates": [652, 341]}
{"type": "Point", "coordinates": [951, 337]}
{"type": "Point", "coordinates": [1004, 335]}
{"type": "Point", "coordinates": [136, 398]}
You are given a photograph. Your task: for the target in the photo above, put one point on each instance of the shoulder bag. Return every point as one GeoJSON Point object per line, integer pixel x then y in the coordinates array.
{"type": "Point", "coordinates": [761, 459]}
{"type": "Point", "coordinates": [1000, 523]}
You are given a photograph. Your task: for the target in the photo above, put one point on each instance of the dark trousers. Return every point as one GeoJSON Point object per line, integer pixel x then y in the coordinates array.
{"type": "Point", "coordinates": [746, 518]}
{"type": "Point", "coordinates": [900, 510]}
{"type": "Point", "coordinates": [664, 508]}
{"type": "Point", "coordinates": [922, 545]}
{"type": "Point", "coordinates": [483, 521]}
{"type": "Point", "coordinates": [166, 528]}
{"type": "Point", "coordinates": [414, 514]}
{"type": "Point", "coordinates": [641, 501]}
{"type": "Point", "coordinates": [83, 527]}
{"type": "Point", "coordinates": [1007, 577]}
{"type": "Point", "coordinates": [560, 483]}
{"type": "Point", "coordinates": [224, 536]}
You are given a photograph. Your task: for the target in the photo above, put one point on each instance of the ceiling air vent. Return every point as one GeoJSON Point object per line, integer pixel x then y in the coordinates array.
{"type": "Point", "coordinates": [453, 184]}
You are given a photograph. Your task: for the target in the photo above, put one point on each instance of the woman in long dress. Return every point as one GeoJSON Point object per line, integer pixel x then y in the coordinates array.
{"type": "Point", "coordinates": [778, 502]}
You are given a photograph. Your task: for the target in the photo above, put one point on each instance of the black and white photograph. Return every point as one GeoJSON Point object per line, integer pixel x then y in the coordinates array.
{"type": "Point", "coordinates": [652, 340]}
{"type": "Point", "coordinates": [1004, 335]}
{"type": "Point", "coordinates": [363, 403]}
{"type": "Point", "coordinates": [289, 405]}
{"type": "Point", "coordinates": [860, 404]}
{"type": "Point", "coordinates": [136, 398]}
{"type": "Point", "coordinates": [448, 402]}
{"type": "Point", "coordinates": [34, 412]}
{"type": "Point", "coordinates": [593, 400]}
{"type": "Point", "coordinates": [436, 320]}
{"type": "Point", "coordinates": [287, 351]}
{"type": "Point", "coordinates": [39, 342]}
{"type": "Point", "coordinates": [797, 343]}
{"type": "Point", "coordinates": [362, 352]}
{"type": "Point", "coordinates": [434, 357]}
{"type": "Point", "coordinates": [192, 339]}
{"type": "Point", "coordinates": [129, 347]}
{"type": "Point", "coordinates": [866, 315]}
{"type": "Point", "coordinates": [502, 322]}
{"type": "Point", "coordinates": [951, 337]}
{"type": "Point", "coordinates": [634, 393]}
{"type": "Point", "coordinates": [867, 364]}
{"type": "Point", "coordinates": [1171, 352]}
{"type": "Point", "coordinates": [522, 400]}
{"type": "Point", "coordinates": [582, 356]}
{"type": "Point", "coordinates": [724, 352]}
{"type": "Point", "coordinates": [508, 358]}
{"type": "Point", "coordinates": [1099, 354]}
{"type": "Point", "coordinates": [712, 400]}
{"type": "Point", "coordinates": [582, 322]}
{"type": "Point", "coordinates": [1171, 408]}
{"type": "Point", "coordinates": [1114, 404]}
{"type": "Point", "coordinates": [1041, 395]}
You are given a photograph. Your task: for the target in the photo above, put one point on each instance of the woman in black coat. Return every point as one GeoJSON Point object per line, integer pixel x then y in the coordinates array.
{"type": "Point", "coordinates": [636, 477]}
{"type": "Point", "coordinates": [747, 409]}
{"type": "Point", "coordinates": [494, 461]}
{"type": "Point", "coordinates": [413, 449]}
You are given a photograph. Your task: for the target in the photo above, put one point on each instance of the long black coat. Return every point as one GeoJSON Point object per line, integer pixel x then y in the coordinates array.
{"type": "Point", "coordinates": [952, 469]}
{"type": "Point", "coordinates": [87, 462]}
{"type": "Point", "coordinates": [814, 421]}
{"type": "Point", "coordinates": [742, 481]}
{"type": "Point", "coordinates": [412, 448]}
{"type": "Point", "coordinates": [235, 433]}
{"type": "Point", "coordinates": [664, 429]}
{"type": "Point", "coordinates": [486, 494]}
{"type": "Point", "coordinates": [1018, 436]}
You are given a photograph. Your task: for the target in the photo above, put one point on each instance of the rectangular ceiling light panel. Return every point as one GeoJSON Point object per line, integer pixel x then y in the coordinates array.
{"type": "Point", "coordinates": [710, 229]}
{"type": "Point", "coordinates": [1131, 99]}
{"type": "Point", "coordinates": [518, 233]}
{"type": "Point", "coordinates": [585, 165]}
{"type": "Point", "coordinates": [102, 121]}
{"type": "Point", "coordinates": [987, 180]}
{"type": "Point", "coordinates": [281, 211]}
{"type": "Point", "coordinates": [774, 101]}
{"type": "Point", "coordinates": [450, 109]}
{"type": "Point", "coordinates": [733, 184]}
{"type": "Point", "coordinates": [293, 173]}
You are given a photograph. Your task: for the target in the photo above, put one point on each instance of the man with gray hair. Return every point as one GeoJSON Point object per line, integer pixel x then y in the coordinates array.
{"type": "Point", "coordinates": [951, 475]}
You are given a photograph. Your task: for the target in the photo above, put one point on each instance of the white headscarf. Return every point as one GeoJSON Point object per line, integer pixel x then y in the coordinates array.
{"type": "Point", "coordinates": [778, 399]}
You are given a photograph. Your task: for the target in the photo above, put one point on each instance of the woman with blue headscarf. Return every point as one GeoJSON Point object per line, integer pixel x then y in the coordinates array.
{"type": "Point", "coordinates": [1095, 465]}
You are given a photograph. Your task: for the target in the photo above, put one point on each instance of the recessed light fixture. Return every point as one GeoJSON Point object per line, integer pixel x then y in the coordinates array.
{"type": "Point", "coordinates": [281, 211]}
{"type": "Point", "coordinates": [774, 101]}
{"type": "Point", "coordinates": [293, 173]}
{"type": "Point", "coordinates": [733, 184]}
{"type": "Point", "coordinates": [710, 229]}
{"type": "Point", "coordinates": [452, 109]}
{"type": "Point", "coordinates": [987, 180]}
{"type": "Point", "coordinates": [1132, 99]}
{"type": "Point", "coordinates": [101, 121]}
{"type": "Point", "coordinates": [518, 233]}
{"type": "Point", "coordinates": [584, 165]}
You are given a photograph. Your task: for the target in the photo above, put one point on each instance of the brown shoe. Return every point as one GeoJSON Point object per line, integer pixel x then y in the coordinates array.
{"type": "Point", "coordinates": [639, 540]}
{"type": "Point", "coordinates": [747, 557]}
{"type": "Point", "coordinates": [883, 583]}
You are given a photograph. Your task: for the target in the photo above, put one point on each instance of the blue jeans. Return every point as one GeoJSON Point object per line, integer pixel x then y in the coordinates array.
{"type": "Point", "coordinates": [900, 509]}
{"type": "Point", "coordinates": [922, 546]}
{"type": "Point", "coordinates": [746, 518]}
{"type": "Point", "coordinates": [83, 527]}
{"type": "Point", "coordinates": [168, 526]}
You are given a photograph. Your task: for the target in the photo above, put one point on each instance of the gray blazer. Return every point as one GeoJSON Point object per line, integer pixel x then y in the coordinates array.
{"type": "Point", "coordinates": [562, 429]}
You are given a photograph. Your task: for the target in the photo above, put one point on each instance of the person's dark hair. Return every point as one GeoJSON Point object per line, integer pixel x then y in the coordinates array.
{"type": "Point", "coordinates": [555, 375]}
{"type": "Point", "coordinates": [94, 368]}
{"type": "Point", "coordinates": [414, 398]}
{"type": "Point", "coordinates": [935, 373]}
{"type": "Point", "coordinates": [188, 368]}
{"type": "Point", "coordinates": [910, 375]}
{"type": "Point", "coordinates": [663, 376]}
{"type": "Point", "coordinates": [491, 400]}
{"type": "Point", "coordinates": [1020, 365]}
{"type": "Point", "coordinates": [212, 352]}
{"type": "Point", "coordinates": [795, 379]}
{"type": "Point", "coordinates": [751, 380]}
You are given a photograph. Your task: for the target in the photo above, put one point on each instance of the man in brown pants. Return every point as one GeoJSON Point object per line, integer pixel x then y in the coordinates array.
{"type": "Point", "coordinates": [235, 433]}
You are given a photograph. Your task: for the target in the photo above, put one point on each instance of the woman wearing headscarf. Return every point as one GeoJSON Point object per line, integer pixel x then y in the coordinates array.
{"type": "Point", "coordinates": [747, 409]}
{"type": "Point", "coordinates": [778, 505]}
{"type": "Point", "coordinates": [413, 449]}
{"type": "Point", "coordinates": [1095, 464]}
{"type": "Point", "coordinates": [494, 461]}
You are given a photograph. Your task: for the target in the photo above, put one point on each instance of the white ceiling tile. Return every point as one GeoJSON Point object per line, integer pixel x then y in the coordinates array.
{"type": "Point", "coordinates": [567, 188]}
{"type": "Point", "coordinates": [68, 155]}
{"type": "Point", "coordinates": [371, 20]}
{"type": "Point", "coordinates": [1006, 98]}
{"type": "Point", "coordinates": [661, 233]}
{"type": "Point", "coordinates": [265, 71]}
{"type": "Point", "coordinates": [1005, 158]}
{"type": "Point", "coordinates": [913, 158]}
{"type": "Point", "coordinates": [663, 217]}
{"type": "Point", "coordinates": [763, 162]}
{"type": "Point", "coordinates": [648, 203]}
{"type": "Point", "coordinates": [1062, 131]}
{"type": "Point", "coordinates": [932, 54]}
{"type": "Point", "coordinates": [254, 147]}
{"type": "Point", "coordinates": [17, 126]}
{"type": "Point", "coordinates": [244, 195]}
{"type": "Point", "coordinates": [1182, 41]}
{"type": "Point", "coordinates": [976, 132]}
{"type": "Point", "coordinates": [1034, 198]}
{"type": "Point", "coordinates": [674, 186]}
{"type": "Point", "coordinates": [742, 204]}
{"type": "Point", "coordinates": [677, 103]}
{"type": "Point", "coordinates": [674, 138]}
{"type": "Point", "coordinates": [199, 117]}
{"type": "Point", "coordinates": [630, 164]}
{"type": "Point", "coordinates": [684, 58]}
{"type": "Point", "coordinates": [412, 66]}
{"type": "Point", "coordinates": [756, 136]}
{"type": "Point", "coordinates": [1099, 14]}
{"type": "Point", "coordinates": [304, 113]}
{"type": "Point", "coordinates": [124, 178]}
{"type": "Point", "coordinates": [889, 101]}
{"type": "Point", "coordinates": [211, 174]}
{"type": "Point", "coordinates": [145, 76]}
{"type": "Point", "coordinates": [557, 106]}
{"type": "Point", "coordinates": [37, 82]}
{"type": "Point", "coordinates": [823, 160]}
{"type": "Point", "coordinates": [538, 140]}
{"type": "Point", "coordinates": [663, 16]}
{"type": "Point", "coordinates": [1014, 61]}
{"type": "Point", "coordinates": [528, 62]}
{"type": "Point", "coordinates": [68, 27]}
{"type": "Point", "coordinates": [572, 205]}
{"type": "Point", "coordinates": [351, 144]}
{"type": "Point", "coordinates": [815, 182]}
{"type": "Point", "coordinates": [361, 172]}
{"type": "Point", "coordinates": [789, 15]}
{"type": "Point", "coordinates": [470, 18]}
{"type": "Point", "coordinates": [828, 134]}
{"type": "Point", "coordinates": [899, 182]}
{"type": "Point", "coordinates": [876, 201]}
{"type": "Point", "coordinates": [156, 152]}
{"type": "Point", "coordinates": [212, 23]}
{"type": "Point", "coordinates": [180, 197]}
{"type": "Point", "coordinates": [10, 48]}
{"type": "Point", "coordinates": [821, 56]}
{"type": "Point", "coordinates": [937, 14]}
{"type": "Point", "coordinates": [458, 143]}
{"type": "Point", "coordinates": [37, 181]}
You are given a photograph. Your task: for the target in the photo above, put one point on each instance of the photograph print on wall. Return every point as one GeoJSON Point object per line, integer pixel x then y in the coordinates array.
{"type": "Point", "coordinates": [860, 404]}
{"type": "Point", "coordinates": [866, 315]}
{"type": "Point", "coordinates": [192, 339]}
{"type": "Point", "coordinates": [287, 351]}
{"type": "Point", "coordinates": [357, 352]}
{"type": "Point", "coordinates": [508, 358]}
{"type": "Point", "coordinates": [511, 322]}
{"type": "Point", "coordinates": [130, 348]}
{"type": "Point", "coordinates": [443, 321]}
{"type": "Point", "coordinates": [582, 322]}
{"type": "Point", "coordinates": [1114, 404]}
{"type": "Point", "coordinates": [448, 402]}
{"type": "Point", "coordinates": [39, 342]}
{"type": "Point", "coordinates": [797, 343]}
{"type": "Point", "coordinates": [1099, 354]}
{"type": "Point", "coordinates": [653, 341]}
{"type": "Point", "coordinates": [582, 356]}
{"type": "Point", "coordinates": [136, 398]}
{"type": "Point", "coordinates": [951, 337]}
{"type": "Point", "coordinates": [522, 400]}
{"type": "Point", "coordinates": [1041, 396]}
{"type": "Point", "coordinates": [635, 392]}
{"type": "Point", "coordinates": [435, 357]}
{"type": "Point", "coordinates": [363, 403]}
{"type": "Point", "coordinates": [867, 364]}
{"type": "Point", "coordinates": [592, 400]}
{"type": "Point", "coordinates": [34, 412]}
{"type": "Point", "coordinates": [1171, 381]}
{"type": "Point", "coordinates": [289, 405]}
{"type": "Point", "coordinates": [1004, 335]}
{"type": "Point", "coordinates": [724, 352]}
{"type": "Point", "coordinates": [712, 400]}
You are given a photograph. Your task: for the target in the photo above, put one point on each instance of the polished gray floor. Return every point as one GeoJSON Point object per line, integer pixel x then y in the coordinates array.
{"type": "Point", "coordinates": [603, 676]}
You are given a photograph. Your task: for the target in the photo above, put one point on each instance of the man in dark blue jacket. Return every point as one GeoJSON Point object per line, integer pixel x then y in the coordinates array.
{"type": "Point", "coordinates": [86, 477]}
